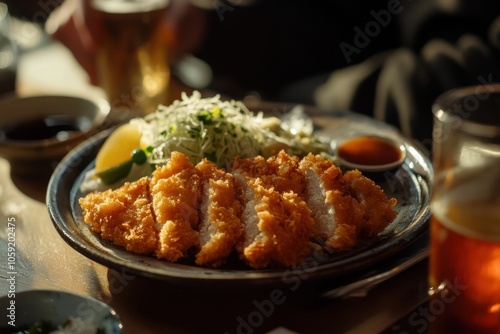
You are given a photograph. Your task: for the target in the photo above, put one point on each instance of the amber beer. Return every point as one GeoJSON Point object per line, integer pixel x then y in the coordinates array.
{"type": "Point", "coordinates": [465, 266]}
{"type": "Point", "coordinates": [464, 263]}
{"type": "Point", "coordinates": [132, 55]}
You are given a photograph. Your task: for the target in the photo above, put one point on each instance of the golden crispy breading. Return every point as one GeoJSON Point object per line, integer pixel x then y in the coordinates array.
{"type": "Point", "coordinates": [336, 213]}
{"type": "Point", "coordinates": [279, 171]}
{"type": "Point", "coordinates": [378, 209]}
{"type": "Point", "coordinates": [277, 225]}
{"type": "Point", "coordinates": [284, 226]}
{"type": "Point", "coordinates": [354, 209]}
{"type": "Point", "coordinates": [348, 216]}
{"type": "Point", "coordinates": [250, 167]}
{"type": "Point", "coordinates": [283, 173]}
{"type": "Point", "coordinates": [269, 211]}
{"type": "Point", "coordinates": [330, 174]}
{"type": "Point", "coordinates": [175, 190]}
{"type": "Point", "coordinates": [220, 225]}
{"type": "Point", "coordinates": [123, 216]}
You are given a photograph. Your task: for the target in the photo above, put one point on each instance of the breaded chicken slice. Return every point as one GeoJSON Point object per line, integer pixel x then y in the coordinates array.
{"type": "Point", "coordinates": [378, 209]}
{"type": "Point", "coordinates": [123, 216]}
{"type": "Point", "coordinates": [175, 192]}
{"type": "Point", "coordinates": [336, 213]}
{"type": "Point", "coordinates": [220, 226]}
{"type": "Point", "coordinates": [276, 225]}
{"type": "Point", "coordinates": [347, 208]}
{"type": "Point", "coordinates": [282, 172]}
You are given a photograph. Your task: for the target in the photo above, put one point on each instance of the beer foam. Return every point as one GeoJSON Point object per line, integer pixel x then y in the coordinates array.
{"type": "Point", "coordinates": [128, 6]}
{"type": "Point", "coordinates": [470, 183]}
{"type": "Point", "coordinates": [474, 219]}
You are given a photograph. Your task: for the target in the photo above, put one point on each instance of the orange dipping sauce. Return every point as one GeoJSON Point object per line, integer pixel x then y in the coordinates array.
{"type": "Point", "coordinates": [369, 151]}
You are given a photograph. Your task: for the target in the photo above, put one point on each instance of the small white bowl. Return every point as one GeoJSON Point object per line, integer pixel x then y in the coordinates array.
{"type": "Point", "coordinates": [29, 307]}
{"type": "Point", "coordinates": [25, 124]}
{"type": "Point", "coordinates": [370, 153]}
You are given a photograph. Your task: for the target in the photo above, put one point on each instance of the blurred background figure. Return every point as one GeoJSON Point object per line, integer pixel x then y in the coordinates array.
{"type": "Point", "coordinates": [387, 59]}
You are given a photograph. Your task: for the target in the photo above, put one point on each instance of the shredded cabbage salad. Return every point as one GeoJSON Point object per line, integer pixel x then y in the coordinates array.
{"type": "Point", "coordinates": [218, 130]}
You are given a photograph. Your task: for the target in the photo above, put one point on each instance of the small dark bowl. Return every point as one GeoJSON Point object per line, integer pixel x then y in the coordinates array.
{"type": "Point", "coordinates": [55, 308]}
{"type": "Point", "coordinates": [37, 132]}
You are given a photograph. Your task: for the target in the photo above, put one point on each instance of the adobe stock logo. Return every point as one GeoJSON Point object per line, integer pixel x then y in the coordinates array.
{"type": "Point", "coordinates": [363, 37]}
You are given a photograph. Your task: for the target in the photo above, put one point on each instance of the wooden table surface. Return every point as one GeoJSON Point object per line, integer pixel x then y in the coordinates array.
{"type": "Point", "coordinates": [45, 261]}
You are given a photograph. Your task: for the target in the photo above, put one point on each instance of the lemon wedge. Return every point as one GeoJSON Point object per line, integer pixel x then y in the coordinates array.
{"type": "Point", "coordinates": [114, 157]}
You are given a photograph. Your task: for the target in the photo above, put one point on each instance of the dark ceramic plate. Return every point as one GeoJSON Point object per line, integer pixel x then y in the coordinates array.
{"type": "Point", "coordinates": [409, 183]}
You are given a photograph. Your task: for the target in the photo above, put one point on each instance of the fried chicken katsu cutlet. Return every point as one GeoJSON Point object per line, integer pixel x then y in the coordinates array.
{"type": "Point", "coordinates": [175, 192]}
{"type": "Point", "coordinates": [376, 206]}
{"type": "Point", "coordinates": [277, 222]}
{"type": "Point", "coordinates": [123, 216]}
{"type": "Point", "coordinates": [220, 227]}
{"type": "Point", "coordinates": [347, 208]}
{"type": "Point", "coordinates": [270, 212]}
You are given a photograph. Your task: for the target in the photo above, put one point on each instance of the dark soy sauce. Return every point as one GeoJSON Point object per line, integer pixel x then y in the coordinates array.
{"type": "Point", "coordinates": [49, 127]}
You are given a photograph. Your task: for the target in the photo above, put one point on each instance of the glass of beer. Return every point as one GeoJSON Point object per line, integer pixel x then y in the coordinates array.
{"type": "Point", "coordinates": [464, 272]}
{"type": "Point", "coordinates": [131, 53]}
